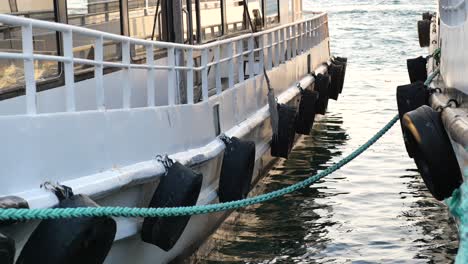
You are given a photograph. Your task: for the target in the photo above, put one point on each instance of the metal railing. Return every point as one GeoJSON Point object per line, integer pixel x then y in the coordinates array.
{"type": "Point", "coordinates": [276, 45]}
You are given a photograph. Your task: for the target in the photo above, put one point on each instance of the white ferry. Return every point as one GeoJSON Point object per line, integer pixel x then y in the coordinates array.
{"type": "Point", "coordinates": [148, 103]}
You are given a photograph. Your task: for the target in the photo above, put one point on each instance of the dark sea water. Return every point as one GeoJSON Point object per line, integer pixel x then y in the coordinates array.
{"type": "Point", "coordinates": [376, 209]}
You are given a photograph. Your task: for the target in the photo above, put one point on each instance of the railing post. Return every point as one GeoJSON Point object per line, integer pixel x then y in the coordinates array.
{"type": "Point", "coordinates": [288, 43]}
{"type": "Point", "coordinates": [219, 88]}
{"type": "Point", "coordinates": [270, 52]}
{"type": "Point", "coordinates": [127, 89]}
{"type": "Point", "coordinates": [251, 57]}
{"type": "Point", "coordinates": [171, 77]}
{"type": "Point", "coordinates": [261, 53]}
{"type": "Point", "coordinates": [29, 78]}
{"type": "Point", "coordinates": [190, 76]}
{"type": "Point", "coordinates": [69, 73]}
{"type": "Point", "coordinates": [204, 62]}
{"type": "Point", "coordinates": [293, 41]}
{"type": "Point", "coordinates": [240, 60]}
{"type": "Point", "coordinates": [230, 65]}
{"type": "Point", "coordinates": [306, 35]}
{"type": "Point", "coordinates": [150, 80]}
{"type": "Point", "coordinates": [277, 48]}
{"type": "Point", "coordinates": [99, 72]}
{"type": "Point", "coordinates": [282, 46]}
{"type": "Point", "coordinates": [299, 30]}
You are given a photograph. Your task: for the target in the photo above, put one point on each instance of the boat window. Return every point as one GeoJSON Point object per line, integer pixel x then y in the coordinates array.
{"type": "Point", "coordinates": [271, 12]}
{"type": "Point", "coordinates": [142, 24]}
{"type": "Point", "coordinates": [45, 42]}
{"type": "Point", "coordinates": [210, 19]}
{"type": "Point", "coordinates": [235, 19]}
{"type": "Point", "coordinates": [102, 15]}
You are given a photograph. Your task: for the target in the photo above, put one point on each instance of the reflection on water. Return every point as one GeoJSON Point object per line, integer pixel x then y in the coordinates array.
{"type": "Point", "coordinates": [376, 209]}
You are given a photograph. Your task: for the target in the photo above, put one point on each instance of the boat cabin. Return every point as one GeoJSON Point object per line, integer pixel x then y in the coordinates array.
{"type": "Point", "coordinates": [193, 22]}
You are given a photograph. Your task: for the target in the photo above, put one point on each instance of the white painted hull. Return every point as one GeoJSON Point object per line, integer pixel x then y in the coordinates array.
{"type": "Point", "coordinates": [109, 155]}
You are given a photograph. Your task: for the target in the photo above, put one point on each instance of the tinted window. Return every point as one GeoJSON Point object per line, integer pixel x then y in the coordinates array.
{"type": "Point", "coordinates": [44, 42]}
{"type": "Point", "coordinates": [98, 15]}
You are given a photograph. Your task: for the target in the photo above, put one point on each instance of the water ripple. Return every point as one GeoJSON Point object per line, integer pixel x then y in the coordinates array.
{"type": "Point", "coordinates": [376, 209]}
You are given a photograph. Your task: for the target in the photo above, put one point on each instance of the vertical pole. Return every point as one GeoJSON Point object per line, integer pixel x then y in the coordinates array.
{"type": "Point", "coordinates": [99, 72]}
{"type": "Point", "coordinates": [270, 52]}
{"type": "Point", "coordinates": [277, 48]}
{"type": "Point", "coordinates": [69, 71]}
{"type": "Point", "coordinates": [293, 41]}
{"type": "Point", "coordinates": [30, 81]}
{"type": "Point", "coordinates": [288, 43]}
{"type": "Point", "coordinates": [251, 57]}
{"type": "Point", "coordinates": [127, 89]}
{"type": "Point", "coordinates": [219, 88]}
{"type": "Point", "coordinates": [204, 62]}
{"type": "Point", "coordinates": [171, 81]}
{"type": "Point", "coordinates": [261, 54]}
{"type": "Point", "coordinates": [190, 76]}
{"type": "Point", "coordinates": [240, 59]}
{"type": "Point", "coordinates": [230, 65]}
{"type": "Point", "coordinates": [150, 89]}
{"type": "Point", "coordinates": [283, 46]}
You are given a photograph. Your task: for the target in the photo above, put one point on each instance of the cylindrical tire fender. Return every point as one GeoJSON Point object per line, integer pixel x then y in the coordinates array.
{"type": "Point", "coordinates": [306, 114]}
{"type": "Point", "coordinates": [433, 152]}
{"type": "Point", "coordinates": [321, 84]}
{"type": "Point", "coordinates": [409, 98]}
{"type": "Point", "coordinates": [7, 250]}
{"type": "Point", "coordinates": [76, 240]}
{"type": "Point", "coordinates": [335, 71]}
{"type": "Point", "coordinates": [424, 31]}
{"type": "Point", "coordinates": [282, 144]}
{"type": "Point", "coordinates": [179, 187]}
{"type": "Point", "coordinates": [417, 70]}
{"type": "Point", "coordinates": [237, 170]}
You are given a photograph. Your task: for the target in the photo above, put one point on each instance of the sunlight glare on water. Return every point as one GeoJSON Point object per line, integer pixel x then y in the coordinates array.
{"type": "Point", "coordinates": [374, 210]}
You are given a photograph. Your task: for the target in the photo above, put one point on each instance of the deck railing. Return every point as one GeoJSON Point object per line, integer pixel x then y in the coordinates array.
{"type": "Point", "coordinates": [277, 45]}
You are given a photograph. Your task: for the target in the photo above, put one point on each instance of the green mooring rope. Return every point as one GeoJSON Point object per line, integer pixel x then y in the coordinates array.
{"type": "Point", "coordinates": [58, 213]}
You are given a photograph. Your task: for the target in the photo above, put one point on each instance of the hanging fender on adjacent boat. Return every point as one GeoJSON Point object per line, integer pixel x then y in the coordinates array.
{"type": "Point", "coordinates": [76, 240]}
{"type": "Point", "coordinates": [336, 75]}
{"type": "Point", "coordinates": [237, 169]}
{"type": "Point", "coordinates": [409, 98]}
{"type": "Point", "coordinates": [433, 152]}
{"type": "Point", "coordinates": [282, 144]}
{"type": "Point", "coordinates": [7, 250]}
{"type": "Point", "coordinates": [179, 187]}
{"type": "Point", "coordinates": [321, 84]}
{"type": "Point", "coordinates": [306, 114]}
{"type": "Point", "coordinates": [427, 16]}
{"type": "Point", "coordinates": [424, 32]}
{"type": "Point", "coordinates": [417, 69]}
{"type": "Point", "coordinates": [343, 62]}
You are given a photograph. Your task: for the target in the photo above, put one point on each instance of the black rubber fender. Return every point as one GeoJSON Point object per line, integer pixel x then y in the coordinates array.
{"type": "Point", "coordinates": [409, 98]}
{"type": "Point", "coordinates": [433, 152]}
{"type": "Point", "coordinates": [237, 169]}
{"type": "Point", "coordinates": [427, 16]}
{"type": "Point", "coordinates": [282, 144]}
{"type": "Point", "coordinates": [321, 84]}
{"type": "Point", "coordinates": [76, 240]}
{"type": "Point", "coordinates": [179, 187]}
{"type": "Point", "coordinates": [424, 31]}
{"type": "Point", "coordinates": [7, 250]}
{"type": "Point", "coordinates": [306, 114]}
{"type": "Point", "coordinates": [12, 202]}
{"type": "Point", "coordinates": [335, 71]}
{"type": "Point", "coordinates": [417, 70]}
{"type": "Point", "coordinates": [343, 61]}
